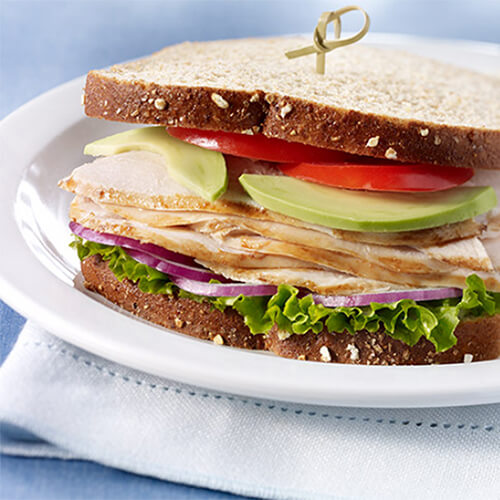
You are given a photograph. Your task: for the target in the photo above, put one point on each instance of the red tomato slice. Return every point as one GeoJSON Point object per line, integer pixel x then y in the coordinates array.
{"type": "Point", "coordinates": [326, 166]}
{"type": "Point", "coordinates": [380, 175]}
{"type": "Point", "coordinates": [258, 147]}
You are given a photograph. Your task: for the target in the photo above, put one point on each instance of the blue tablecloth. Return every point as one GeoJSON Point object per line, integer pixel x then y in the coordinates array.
{"type": "Point", "coordinates": [45, 43]}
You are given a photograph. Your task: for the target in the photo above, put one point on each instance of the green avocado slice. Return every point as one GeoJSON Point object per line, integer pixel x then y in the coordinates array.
{"type": "Point", "coordinates": [364, 210]}
{"type": "Point", "coordinates": [199, 170]}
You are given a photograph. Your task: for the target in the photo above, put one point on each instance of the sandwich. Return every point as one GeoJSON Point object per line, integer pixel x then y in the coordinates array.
{"type": "Point", "coordinates": [350, 217]}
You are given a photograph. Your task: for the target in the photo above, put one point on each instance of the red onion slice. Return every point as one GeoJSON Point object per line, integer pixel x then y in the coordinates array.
{"type": "Point", "coordinates": [174, 269]}
{"type": "Point", "coordinates": [123, 241]}
{"type": "Point", "coordinates": [195, 279]}
{"type": "Point", "coordinates": [224, 289]}
{"type": "Point", "coordinates": [386, 297]}
{"type": "Point", "coordinates": [191, 280]}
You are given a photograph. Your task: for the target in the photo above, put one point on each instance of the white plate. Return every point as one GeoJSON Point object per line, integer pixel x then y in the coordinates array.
{"type": "Point", "coordinates": [42, 142]}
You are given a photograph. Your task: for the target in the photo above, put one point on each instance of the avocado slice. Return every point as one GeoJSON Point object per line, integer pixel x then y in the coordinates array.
{"type": "Point", "coordinates": [365, 210]}
{"type": "Point", "coordinates": [199, 170]}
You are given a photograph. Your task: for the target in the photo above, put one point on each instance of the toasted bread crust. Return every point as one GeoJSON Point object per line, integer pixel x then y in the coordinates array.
{"type": "Point", "coordinates": [480, 338]}
{"type": "Point", "coordinates": [306, 122]}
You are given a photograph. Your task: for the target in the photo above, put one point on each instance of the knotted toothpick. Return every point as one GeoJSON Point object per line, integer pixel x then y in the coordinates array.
{"type": "Point", "coordinates": [321, 45]}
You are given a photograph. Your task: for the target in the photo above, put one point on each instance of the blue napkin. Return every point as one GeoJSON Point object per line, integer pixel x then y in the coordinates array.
{"type": "Point", "coordinates": [59, 401]}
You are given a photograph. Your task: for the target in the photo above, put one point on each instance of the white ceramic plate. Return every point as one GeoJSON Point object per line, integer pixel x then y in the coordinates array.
{"type": "Point", "coordinates": [42, 142]}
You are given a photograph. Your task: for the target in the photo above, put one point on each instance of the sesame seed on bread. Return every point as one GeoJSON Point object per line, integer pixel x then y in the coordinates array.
{"type": "Point", "coordinates": [479, 338]}
{"type": "Point", "coordinates": [374, 102]}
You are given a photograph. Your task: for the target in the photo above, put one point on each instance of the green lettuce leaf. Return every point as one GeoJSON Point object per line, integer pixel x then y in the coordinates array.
{"type": "Point", "coordinates": [405, 320]}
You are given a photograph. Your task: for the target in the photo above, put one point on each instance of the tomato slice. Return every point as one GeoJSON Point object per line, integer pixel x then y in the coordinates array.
{"type": "Point", "coordinates": [326, 166]}
{"type": "Point", "coordinates": [258, 147]}
{"type": "Point", "coordinates": [380, 175]}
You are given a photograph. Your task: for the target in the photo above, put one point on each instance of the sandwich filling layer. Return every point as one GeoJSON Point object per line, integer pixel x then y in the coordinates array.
{"type": "Point", "coordinates": [131, 194]}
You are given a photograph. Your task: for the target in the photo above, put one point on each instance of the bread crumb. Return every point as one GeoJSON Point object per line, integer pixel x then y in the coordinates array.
{"type": "Point", "coordinates": [118, 111]}
{"type": "Point", "coordinates": [354, 351]}
{"type": "Point", "coordinates": [178, 322]}
{"type": "Point", "coordinates": [301, 357]}
{"type": "Point", "coordinates": [219, 100]}
{"type": "Point", "coordinates": [468, 358]}
{"type": "Point", "coordinates": [285, 110]}
{"type": "Point", "coordinates": [247, 131]}
{"type": "Point", "coordinates": [150, 100]}
{"type": "Point", "coordinates": [372, 142]}
{"type": "Point", "coordinates": [293, 132]}
{"type": "Point", "coordinates": [254, 98]}
{"type": "Point", "coordinates": [134, 113]}
{"type": "Point", "coordinates": [283, 334]}
{"type": "Point", "coordinates": [437, 140]}
{"type": "Point", "coordinates": [325, 354]}
{"type": "Point", "coordinates": [424, 132]}
{"type": "Point", "coordinates": [105, 103]}
{"type": "Point", "coordinates": [335, 138]}
{"type": "Point", "coordinates": [391, 154]}
{"type": "Point", "coordinates": [82, 99]}
{"type": "Point", "coordinates": [160, 104]}
{"type": "Point", "coordinates": [218, 340]}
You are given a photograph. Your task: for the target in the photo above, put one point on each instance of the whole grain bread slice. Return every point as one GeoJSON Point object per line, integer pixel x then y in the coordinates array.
{"type": "Point", "coordinates": [479, 338]}
{"type": "Point", "coordinates": [375, 102]}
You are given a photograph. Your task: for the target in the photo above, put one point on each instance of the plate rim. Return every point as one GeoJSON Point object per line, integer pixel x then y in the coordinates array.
{"type": "Point", "coordinates": [223, 368]}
